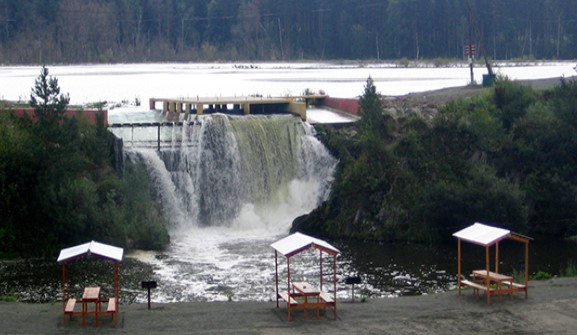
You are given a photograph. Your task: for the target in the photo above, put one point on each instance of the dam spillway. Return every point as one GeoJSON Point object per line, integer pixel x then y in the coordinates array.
{"type": "Point", "coordinates": [296, 105]}
{"type": "Point", "coordinates": [211, 171]}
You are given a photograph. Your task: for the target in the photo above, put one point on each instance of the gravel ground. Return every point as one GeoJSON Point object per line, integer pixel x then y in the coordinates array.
{"type": "Point", "coordinates": [551, 308]}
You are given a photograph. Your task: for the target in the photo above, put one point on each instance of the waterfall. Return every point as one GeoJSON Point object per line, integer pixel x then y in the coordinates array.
{"type": "Point", "coordinates": [237, 171]}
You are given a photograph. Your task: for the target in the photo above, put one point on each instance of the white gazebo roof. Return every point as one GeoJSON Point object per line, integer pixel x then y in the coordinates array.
{"type": "Point", "coordinates": [96, 248]}
{"type": "Point", "coordinates": [298, 242]}
{"type": "Point", "coordinates": [482, 234]}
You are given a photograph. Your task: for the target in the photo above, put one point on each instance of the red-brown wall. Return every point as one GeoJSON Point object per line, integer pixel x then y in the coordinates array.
{"type": "Point", "coordinates": [89, 114]}
{"type": "Point", "coordinates": [348, 105]}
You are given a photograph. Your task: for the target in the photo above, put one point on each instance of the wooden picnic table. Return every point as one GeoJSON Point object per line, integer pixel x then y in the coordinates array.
{"type": "Point", "coordinates": [90, 295]}
{"type": "Point", "coordinates": [306, 290]}
{"type": "Point", "coordinates": [493, 283]}
{"type": "Point", "coordinates": [498, 279]}
{"type": "Point", "coordinates": [493, 277]}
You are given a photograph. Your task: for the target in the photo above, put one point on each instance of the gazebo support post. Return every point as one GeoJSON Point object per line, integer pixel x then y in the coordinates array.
{"type": "Point", "coordinates": [288, 284]}
{"type": "Point", "coordinates": [487, 281]}
{"type": "Point", "coordinates": [64, 289]}
{"type": "Point", "coordinates": [116, 292]}
{"type": "Point", "coordinates": [459, 265]}
{"type": "Point", "coordinates": [497, 257]}
{"type": "Point", "coordinates": [526, 269]}
{"type": "Point", "coordinates": [321, 262]}
{"type": "Point", "coordinates": [335, 286]}
{"type": "Point", "coordinates": [276, 274]}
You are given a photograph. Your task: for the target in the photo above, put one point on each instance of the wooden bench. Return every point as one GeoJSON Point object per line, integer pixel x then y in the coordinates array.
{"type": "Point", "coordinates": [516, 286]}
{"type": "Point", "coordinates": [111, 308]}
{"type": "Point", "coordinates": [70, 304]}
{"type": "Point", "coordinates": [476, 286]}
{"type": "Point", "coordinates": [328, 301]}
{"type": "Point", "coordinates": [326, 298]}
{"type": "Point", "coordinates": [69, 308]}
{"type": "Point", "coordinates": [286, 297]}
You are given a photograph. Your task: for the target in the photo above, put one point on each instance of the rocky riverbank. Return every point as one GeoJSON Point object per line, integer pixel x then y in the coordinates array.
{"type": "Point", "coordinates": [427, 103]}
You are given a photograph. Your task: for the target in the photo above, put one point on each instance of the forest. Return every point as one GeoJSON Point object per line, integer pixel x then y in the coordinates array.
{"type": "Point", "coordinates": [505, 157]}
{"type": "Point", "coordinates": [111, 31]}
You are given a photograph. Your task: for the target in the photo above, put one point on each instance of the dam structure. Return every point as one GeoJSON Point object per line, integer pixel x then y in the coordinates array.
{"type": "Point", "coordinates": [158, 131]}
{"type": "Point", "coordinates": [175, 107]}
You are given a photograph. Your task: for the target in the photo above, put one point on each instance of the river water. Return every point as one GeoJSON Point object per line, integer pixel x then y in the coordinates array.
{"type": "Point", "coordinates": [228, 257]}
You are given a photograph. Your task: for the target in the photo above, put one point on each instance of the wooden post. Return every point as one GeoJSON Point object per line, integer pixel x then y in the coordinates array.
{"type": "Point", "coordinates": [335, 285]}
{"type": "Point", "coordinates": [459, 265]}
{"type": "Point", "coordinates": [487, 281]}
{"type": "Point", "coordinates": [64, 289]}
{"type": "Point", "coordinates": [497, 257]}
{"type": "Point", "coordinates": [526, 268]}
{"type": "Point", "coordinates": [321, 265]}
{"type": "Point", "coordinates": [288, 275]}
{"type": "Point", "coordinates": [276, 275]}
{"type": "Point", "coordinates": [116, 293]}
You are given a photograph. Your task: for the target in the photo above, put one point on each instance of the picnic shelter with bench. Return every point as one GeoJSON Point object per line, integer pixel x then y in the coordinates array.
{"type": "Point", "coordinates": [490, 280]}
{"type": "Point", "coordinates": [91, 300]}
{"type": "Point", "coordinates": [301, 294]}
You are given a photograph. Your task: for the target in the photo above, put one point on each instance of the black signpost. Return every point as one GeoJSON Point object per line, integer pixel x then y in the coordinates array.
{"type": "Point", "coordinates": [148, 285]}
{"type": "Point", "coordinates": [352, 280]}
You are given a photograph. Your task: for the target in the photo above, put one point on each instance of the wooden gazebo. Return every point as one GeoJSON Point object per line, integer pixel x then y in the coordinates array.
{"type": "Point", "coordinates": [488, 237]}
{"type": "Point", "coordinates": [101, 250]}
{"type": "Point", "coordinates": [293, 245]}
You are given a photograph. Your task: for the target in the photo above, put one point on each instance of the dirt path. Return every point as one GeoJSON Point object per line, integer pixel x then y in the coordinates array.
{"type": "Point", "coordinates": [550, 309]}
{"type": "Point", "coordinates": [440, 97]}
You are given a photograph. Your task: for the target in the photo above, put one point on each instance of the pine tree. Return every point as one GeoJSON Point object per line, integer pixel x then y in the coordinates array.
{"type": "Point", "coordinates": [46, 99]}
{"type": "Point", "coordinates": [371, 105]}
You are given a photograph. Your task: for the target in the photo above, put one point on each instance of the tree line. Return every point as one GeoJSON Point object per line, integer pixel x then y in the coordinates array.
{"type": "Point", "coordinates": [506, 158]}
{"type": "Point", "coordinates": [72, 31]}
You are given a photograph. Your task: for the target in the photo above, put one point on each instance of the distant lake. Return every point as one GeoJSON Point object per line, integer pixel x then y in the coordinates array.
{"type": "Point", "coordinates": [131, 82]}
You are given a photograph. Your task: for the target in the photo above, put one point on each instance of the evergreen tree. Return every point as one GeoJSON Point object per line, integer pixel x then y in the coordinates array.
{"type": "Point", "coordinates": [371, 105]}
{"type": "Point", "coordinates": [46, 99]}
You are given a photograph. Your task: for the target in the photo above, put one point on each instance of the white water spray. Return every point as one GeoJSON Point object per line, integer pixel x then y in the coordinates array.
{"type": "Point", "coordinates": [230, 186]}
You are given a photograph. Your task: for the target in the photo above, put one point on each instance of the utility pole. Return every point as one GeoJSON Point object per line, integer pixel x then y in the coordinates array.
{"type": "Point", "coordinates": [280, 39]}
{"type": "Point", "coordinates": [471, 53]}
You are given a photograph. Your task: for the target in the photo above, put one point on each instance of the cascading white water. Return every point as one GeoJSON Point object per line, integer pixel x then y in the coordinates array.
{"type": "Point", "coordinates": [230, 186]}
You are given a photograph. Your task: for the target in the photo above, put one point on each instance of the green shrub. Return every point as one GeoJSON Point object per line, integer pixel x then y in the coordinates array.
{"type": "Point", "coordinates": [570, 270]}
{"type": "Point", "coordinates": [542, 275]}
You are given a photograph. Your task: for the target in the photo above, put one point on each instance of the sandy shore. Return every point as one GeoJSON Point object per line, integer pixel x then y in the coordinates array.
{"type": "Point", "coordinates": [550, 309]}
